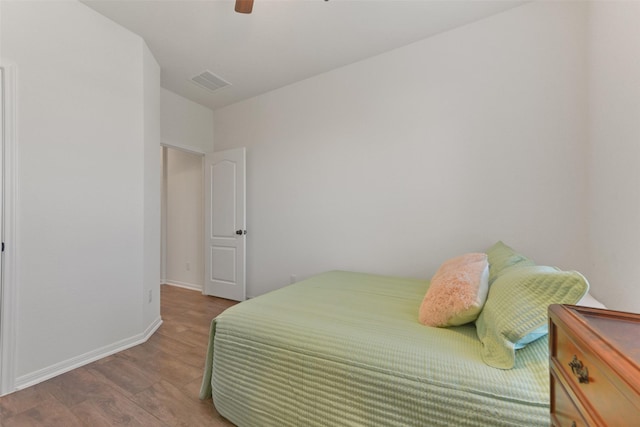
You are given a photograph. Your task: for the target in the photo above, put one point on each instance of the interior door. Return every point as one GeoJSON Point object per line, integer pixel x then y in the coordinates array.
{"type": "Point", "coordinates": [8, 300]}
{"type": "Point", "coordinates": [1, 189]}
{"type": "Point", "coordinates": [3, 350]}
{"type": "Point", "coordinates": [225, 224]}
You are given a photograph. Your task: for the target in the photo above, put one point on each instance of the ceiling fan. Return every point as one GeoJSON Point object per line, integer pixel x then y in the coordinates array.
{"type": "Point", "coordinates": [244, 6]}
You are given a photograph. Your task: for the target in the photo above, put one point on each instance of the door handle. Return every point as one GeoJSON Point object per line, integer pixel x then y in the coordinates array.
{"type": "Point", "coordinates": [241, 232]}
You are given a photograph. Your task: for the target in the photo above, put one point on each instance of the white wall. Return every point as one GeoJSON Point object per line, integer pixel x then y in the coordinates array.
{"type": "Point", "coordinates": [184, 229]}
{"type": "Point", "coordinates": [394, 163]}
{"type": "Point", "coordinates": [152, 187]}
{"type": "Point", "coordinates": [87, 123]}
{"type": "Point", "coordinates": [185, 123]}
{"type": "Point", "coordinates": [614, 128]}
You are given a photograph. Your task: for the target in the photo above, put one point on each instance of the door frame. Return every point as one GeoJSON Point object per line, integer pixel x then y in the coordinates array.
{"type": "Point", "coordinates": [163, 221]}
{"type": "Point", "coordinates": [8, 281]}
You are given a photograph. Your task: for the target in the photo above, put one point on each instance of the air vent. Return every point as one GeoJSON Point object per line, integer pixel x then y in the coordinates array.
{"type": "Point", "coordinates": [209, 81]}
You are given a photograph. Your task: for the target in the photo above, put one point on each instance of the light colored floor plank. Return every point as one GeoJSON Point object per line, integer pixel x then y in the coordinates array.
{"type": "Point", "coordinates": [154, 384]}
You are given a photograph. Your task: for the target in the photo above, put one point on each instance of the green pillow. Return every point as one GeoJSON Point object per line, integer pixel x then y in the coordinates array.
{"type": "Point", "coordinates": [516, 309]}
{"type": "Point", "coordinates": [502, 257]}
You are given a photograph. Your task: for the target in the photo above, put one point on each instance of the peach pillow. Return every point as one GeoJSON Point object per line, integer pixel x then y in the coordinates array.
{"type": "Point", "coordinates": [457, 292]}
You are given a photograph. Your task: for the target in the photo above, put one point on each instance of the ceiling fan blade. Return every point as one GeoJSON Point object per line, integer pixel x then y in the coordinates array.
{"type": "Point", "coordinates": [244, 6]}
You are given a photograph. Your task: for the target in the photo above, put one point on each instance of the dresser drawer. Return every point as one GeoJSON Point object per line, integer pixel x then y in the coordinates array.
{"type": "Point", "coordinates": [590, 384]}
{"type": "Point", "coordinates": [563, 412]}
{"type": "Point", "coordinates": [594, 357]}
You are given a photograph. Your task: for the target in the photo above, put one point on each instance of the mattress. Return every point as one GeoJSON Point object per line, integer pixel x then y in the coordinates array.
{"type": "Point", "coordinates": [346, 349]}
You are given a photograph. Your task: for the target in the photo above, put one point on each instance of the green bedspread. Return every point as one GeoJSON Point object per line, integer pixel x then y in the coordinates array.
{"type": "Point", "coordinates": [346, 349]}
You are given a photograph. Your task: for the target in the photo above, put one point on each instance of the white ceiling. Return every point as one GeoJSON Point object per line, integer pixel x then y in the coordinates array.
{"type": "Point", "coordinates": [282, 41]}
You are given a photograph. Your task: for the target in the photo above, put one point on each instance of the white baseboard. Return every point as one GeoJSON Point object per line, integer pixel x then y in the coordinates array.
{"type": "Point", "coordinates": [44, 374]}
{"type": "Point", "coordinates": [184, 285]}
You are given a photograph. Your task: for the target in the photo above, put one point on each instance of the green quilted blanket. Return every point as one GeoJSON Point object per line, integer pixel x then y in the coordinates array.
{"type": "Point", "coordinates": [346, 349]}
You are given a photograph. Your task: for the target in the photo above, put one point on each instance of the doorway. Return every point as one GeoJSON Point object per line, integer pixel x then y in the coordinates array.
{"type": "Point", "coordinates": [182, 258]}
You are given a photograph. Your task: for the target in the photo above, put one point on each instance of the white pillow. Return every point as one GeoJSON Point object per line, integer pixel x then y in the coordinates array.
{"type": "Point", "coordinates": [589, 301]}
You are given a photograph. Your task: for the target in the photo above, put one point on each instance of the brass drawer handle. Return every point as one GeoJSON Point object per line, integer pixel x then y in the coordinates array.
{"type": "Point", "coordinates": [579, 370]}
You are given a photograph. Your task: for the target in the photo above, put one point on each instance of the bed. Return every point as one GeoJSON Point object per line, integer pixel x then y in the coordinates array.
{"type": "Point", "coordinates": [345, 349]}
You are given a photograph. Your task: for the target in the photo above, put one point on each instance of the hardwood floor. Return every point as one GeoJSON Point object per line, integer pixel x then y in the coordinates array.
{"type": "Point", "coordinates": [152, 384]}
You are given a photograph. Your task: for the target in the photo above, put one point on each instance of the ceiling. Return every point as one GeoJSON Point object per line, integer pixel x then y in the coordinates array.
{"type": "Point", "coordinates": [282, 41]}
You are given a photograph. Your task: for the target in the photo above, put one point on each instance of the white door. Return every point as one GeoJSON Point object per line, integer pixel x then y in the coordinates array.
{"type": "Point", "coordinates": [3, 351]}
{"type": "Point", "coordinates": [8, 301]}
{"type": "Point", "coordinates": [1, 189]}
{"type": "Point", "coordinates": [225, 224]}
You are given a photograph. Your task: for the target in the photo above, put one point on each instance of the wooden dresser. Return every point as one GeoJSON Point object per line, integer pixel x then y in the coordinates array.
{"type": "Point", "coordinates": [594, 358]}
